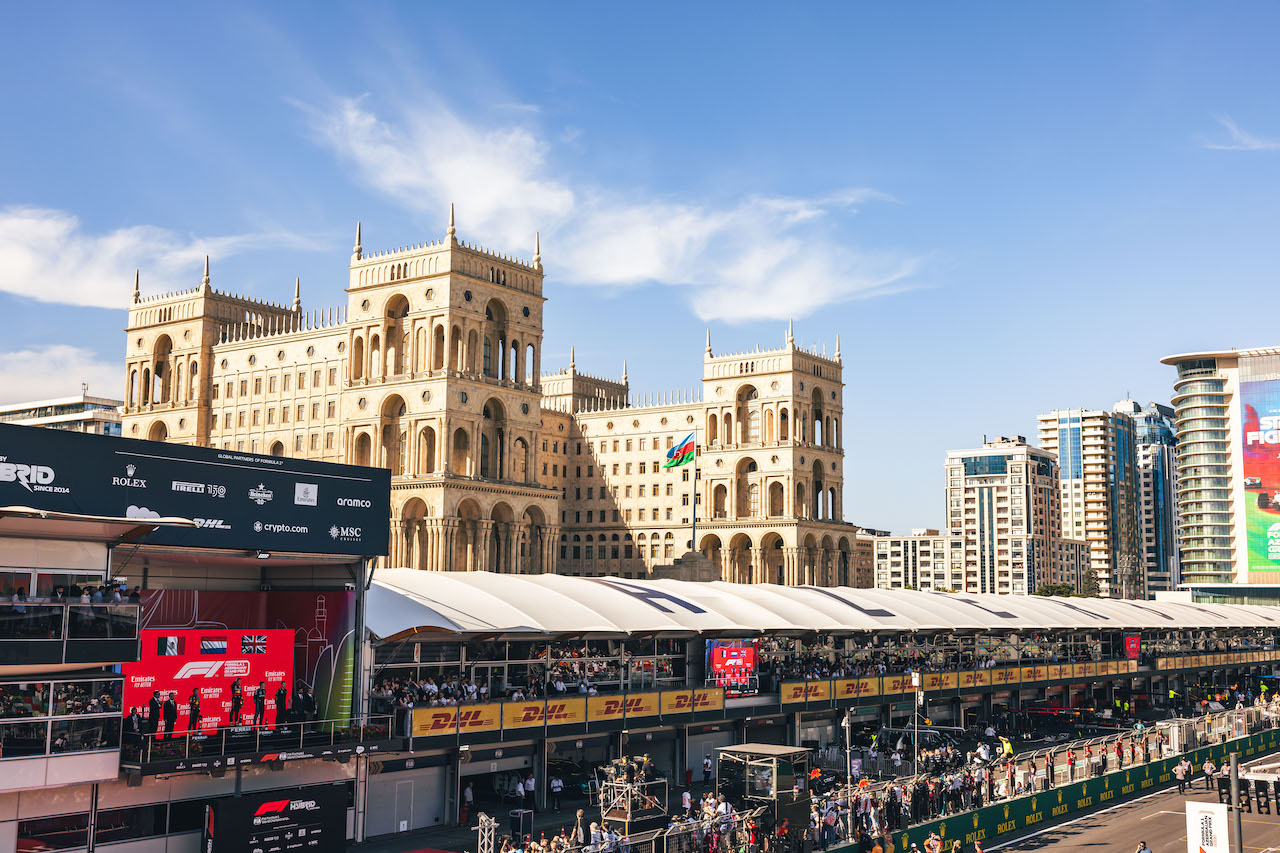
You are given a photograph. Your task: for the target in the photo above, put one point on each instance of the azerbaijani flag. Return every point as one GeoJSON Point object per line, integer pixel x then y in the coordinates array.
{"type": "Point", "coordinates": [682, 453]}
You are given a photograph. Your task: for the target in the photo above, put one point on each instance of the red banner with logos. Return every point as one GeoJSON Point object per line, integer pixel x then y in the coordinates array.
{"type": "Point", "coordinates": [1132, 646]}
{"type": "Point", "coordinates": [215, 663]}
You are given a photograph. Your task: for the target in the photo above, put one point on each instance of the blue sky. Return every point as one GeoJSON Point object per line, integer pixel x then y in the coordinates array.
{"type": "Point", "coordinates": [1001, 208]}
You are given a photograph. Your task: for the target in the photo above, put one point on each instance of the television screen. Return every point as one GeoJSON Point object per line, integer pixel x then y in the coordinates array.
{"type": "Point", "coordinates": [731, 664]}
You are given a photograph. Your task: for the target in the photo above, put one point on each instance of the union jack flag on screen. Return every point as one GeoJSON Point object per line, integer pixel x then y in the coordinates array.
{"type": "Point", "coordinates": [253, 644]}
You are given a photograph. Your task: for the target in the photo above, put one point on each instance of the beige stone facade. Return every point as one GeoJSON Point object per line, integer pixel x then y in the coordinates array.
{"type": "Point", "coordinates": [432, 368]}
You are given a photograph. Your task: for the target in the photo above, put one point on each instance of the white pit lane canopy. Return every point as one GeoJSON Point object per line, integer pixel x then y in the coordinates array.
{"type": "Point", "coordinates": [403, 602]}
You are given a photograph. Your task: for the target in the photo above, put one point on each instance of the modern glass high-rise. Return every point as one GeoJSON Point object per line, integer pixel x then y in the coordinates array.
{"type": "Point", "coordinates": [1204, 470]}
{"type": "Point", "coordinates": [1156, 443]}
{"type": "Point", "coordinates": [1099, 481]}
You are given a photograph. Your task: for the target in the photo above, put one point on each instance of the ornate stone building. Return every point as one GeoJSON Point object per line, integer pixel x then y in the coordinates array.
{"type": "Point", "coordinates": [433, 369]}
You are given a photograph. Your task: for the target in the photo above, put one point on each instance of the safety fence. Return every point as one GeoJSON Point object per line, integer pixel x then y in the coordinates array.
{"type": "Point", "coordinates": [1215, 738]}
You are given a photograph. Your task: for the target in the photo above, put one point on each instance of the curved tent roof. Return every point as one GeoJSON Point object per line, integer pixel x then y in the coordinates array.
{"type": "Point", "coordinates": [403, 602]}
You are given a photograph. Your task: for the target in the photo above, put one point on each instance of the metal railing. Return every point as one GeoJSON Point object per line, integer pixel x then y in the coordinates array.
{"type": "Point", "coordinates": [1160, 741]}
{"type": "Point", "coordinates": [141, 750]}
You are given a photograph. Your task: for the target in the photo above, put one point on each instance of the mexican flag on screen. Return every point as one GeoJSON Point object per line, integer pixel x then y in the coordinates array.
{"type": "Point", "coordinates": [681, 454]}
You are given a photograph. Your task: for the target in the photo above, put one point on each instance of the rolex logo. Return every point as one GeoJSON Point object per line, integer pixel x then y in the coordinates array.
{"type": "Point", "coordinates": [129, 469]}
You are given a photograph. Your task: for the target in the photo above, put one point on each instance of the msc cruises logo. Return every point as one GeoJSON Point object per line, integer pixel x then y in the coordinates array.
{"type": "Point", "coordinates": [345, 534]}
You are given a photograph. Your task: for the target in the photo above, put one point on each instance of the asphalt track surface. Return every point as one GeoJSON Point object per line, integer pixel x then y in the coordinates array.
{"type": "Point", "coordinates": [1158, 819]}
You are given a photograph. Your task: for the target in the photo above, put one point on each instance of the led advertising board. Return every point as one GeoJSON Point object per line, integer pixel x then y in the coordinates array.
{"type": "Point", "coordinates": [311, 819]}
{"type": "Point", "coordinates": [238, 500]}
{"type": "Point", "coordinates": [1260, 422]}
{"type": "Point", "coordinates": [731, 664]}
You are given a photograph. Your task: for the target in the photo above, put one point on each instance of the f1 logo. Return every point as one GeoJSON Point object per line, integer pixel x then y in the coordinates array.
{"type": "Point", "coordinates": [272, 807]}
{"type": "Point", "coordinates": [196, 668]}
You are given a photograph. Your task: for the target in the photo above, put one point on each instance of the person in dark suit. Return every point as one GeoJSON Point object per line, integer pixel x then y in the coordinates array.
{"type": "Point", "coordinates": [260, 703]}
{"type": "Point", "coordinates": [170, 714]}
{"type": "Point", "coordinates": [237, 702]}
{"type": "Point", "coordinates": [134, 727]}
{"type": "Point", "coordinates": [193, 710]}
{"type": "Point", "coordinates": [135, 723]}
{"type": "Point", "coordinates": [153, 713]}
{"type": "Point", "coordinates": [299, 702]}
{"type": "Point", "coordinates": [282, 704]}
{"type": "Point", "coordinates": [309, 704]}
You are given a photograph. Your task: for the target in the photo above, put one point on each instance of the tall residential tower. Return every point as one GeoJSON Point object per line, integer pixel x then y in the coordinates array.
{"type": "Point", "coordinates": [1100, 488]}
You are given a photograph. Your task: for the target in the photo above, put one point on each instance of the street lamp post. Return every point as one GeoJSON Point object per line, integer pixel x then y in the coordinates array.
{"type": "Point", "coordinates": [848, 770]}
{"type": "Point", "coordinates": [915, 683]}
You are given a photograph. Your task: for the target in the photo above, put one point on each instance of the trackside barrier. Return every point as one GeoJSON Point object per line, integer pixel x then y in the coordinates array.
{"type": "Point", "coordinates": [1110, 788]}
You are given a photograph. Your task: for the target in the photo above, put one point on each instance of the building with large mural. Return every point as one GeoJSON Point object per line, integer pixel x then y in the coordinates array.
{"type": "Point", "coordinates": [433, 369]}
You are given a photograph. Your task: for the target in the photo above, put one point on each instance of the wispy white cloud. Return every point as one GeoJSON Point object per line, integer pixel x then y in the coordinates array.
{"type": "Point", "coordinates": [49, 256]}
{"type": "Point", "coordinates": [1241, 139]}
{"type": "Point", "coordinates": [56, 371]}
{"type": "Point", "coordinates": [752, 258]}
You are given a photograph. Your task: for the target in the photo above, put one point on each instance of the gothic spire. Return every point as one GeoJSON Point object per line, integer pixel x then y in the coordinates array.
{"type": "Point", "coordinates": [624, 371]}
{"type": "Point", "coordinates": [205, 280]}
{"type": "Point", "coordinates": [537, 248]}
{"type": "Point", "coordinates": [297, 294]}
{"type": "Point", "coordinates": [837, 346]}
{"type": "Point", "coordinates": [571, 359]}
{"type": "Point", "coordinates": [137, 291]}
{"type": "Point", "coordinates": [357, 250]}
{"type": "Point", "coordinates": [791, 338]}
{"type": "Point", "coordinates": [453, 231]}
{"type": "Point", "coordinates": [708, 341]}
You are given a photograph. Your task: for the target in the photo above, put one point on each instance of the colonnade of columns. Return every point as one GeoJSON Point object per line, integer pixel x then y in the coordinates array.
{"type": "Point", "coordinates": [799, 565]}
{"type": "Point", "coordinates": [415, 348]}
{"type": "Point", "coordinates": [468, 544]}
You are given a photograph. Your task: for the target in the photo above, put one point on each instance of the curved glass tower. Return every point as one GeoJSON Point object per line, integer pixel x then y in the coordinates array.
{"type": "Point", "coordinates": [1204, 470]}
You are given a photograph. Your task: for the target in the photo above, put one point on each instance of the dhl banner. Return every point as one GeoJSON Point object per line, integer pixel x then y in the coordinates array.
{"type": "Point", "coordinates": [434, 721]}
{"type": "Point", "coordinates": [949, 681]}
{"type": "Point", "coordinates": [520, 715]}
{"type": "Point", "coordinates": [553, 712]}
{"type": "Point", "coordinates": [969, 678]}
{"type": "Point", "coordinates": [931, 680]}
{"type": "Point", "coordinates": [1042, 673]}
{"type": "Point", "coordinates": [1028, 673]}
{"type": "Point", "coordinates": [982, 678]}
{"type": "Point", "coordinates": [896, 684]}
{"type": "Point", "coordinates": [601, 708]}
{"type": "Point", "coordinates": [802, 691]}
{"type": "Point", "coordinates": [1004, 675]}
{"type": "Point", "coordinates": [857, 688]}
{"type": "Point", "coordinates": [712, 698]}
{"type": "Point", "coordinates": [1053, 672]}
{"type": "Point", "coordinates": [479, 718]}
